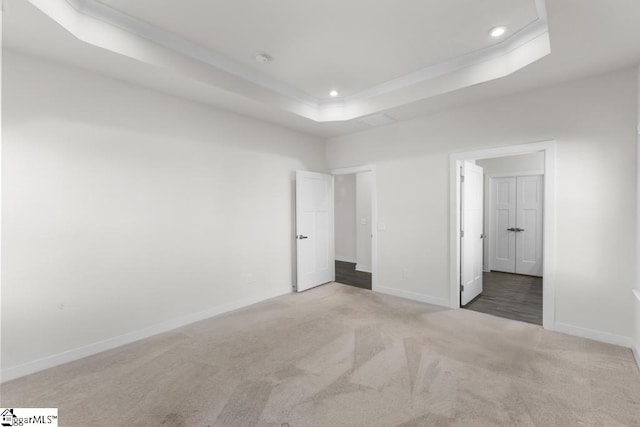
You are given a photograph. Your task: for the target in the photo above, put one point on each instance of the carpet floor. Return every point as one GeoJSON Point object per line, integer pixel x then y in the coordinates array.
{"type": "Point", "coordinates": [342, 356]}
{"type": "Point", "coordinates": [512, 296]}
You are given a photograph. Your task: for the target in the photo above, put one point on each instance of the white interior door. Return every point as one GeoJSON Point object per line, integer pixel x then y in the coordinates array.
{"type": "Point", "coordinates": [314, 229]}
{"type": "Point", "coordinates": [516, 229]}
{"type": "Point", "coordinates": [502, 243]}
{"type": "Point", "coordinates": [528, 234]}
{"type": "Point", "coordinates": [471, 236]}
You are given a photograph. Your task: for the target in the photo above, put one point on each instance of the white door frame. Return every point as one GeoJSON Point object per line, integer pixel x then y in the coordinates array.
{"type": "Point", "coordinates": [549, 234]}
{"type": "Point", "coordinates": [374, 214]}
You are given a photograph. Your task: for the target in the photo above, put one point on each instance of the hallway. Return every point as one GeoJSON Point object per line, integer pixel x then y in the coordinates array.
{"type": "Point", "coordinates": [511, 296]}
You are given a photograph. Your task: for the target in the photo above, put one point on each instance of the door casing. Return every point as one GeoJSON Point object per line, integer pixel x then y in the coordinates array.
{"type": "Point", "coordinates": [374, 215]}
{"type": "Point", "coordinates": [549, 219]}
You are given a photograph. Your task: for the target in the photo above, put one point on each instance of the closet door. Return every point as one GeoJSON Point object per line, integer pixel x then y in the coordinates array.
{"type": "Point", "coordinates": [502, 251]}
{"type": "Point", "coordinates": [529, 225]}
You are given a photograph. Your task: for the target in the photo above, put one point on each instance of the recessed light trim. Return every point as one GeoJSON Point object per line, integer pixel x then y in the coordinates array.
{"type": "Point", "coordinates": [334, 93]}
{"type": "Point", "coordinates": [263, 58]}
{"type": "Point", "coordinates": [498, 31]}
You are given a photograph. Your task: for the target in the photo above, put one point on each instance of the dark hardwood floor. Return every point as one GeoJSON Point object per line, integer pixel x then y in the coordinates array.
{"type": "Point", "coordinates": [347, 274]}
{"type": "Point", "coordinates": [512, 296]}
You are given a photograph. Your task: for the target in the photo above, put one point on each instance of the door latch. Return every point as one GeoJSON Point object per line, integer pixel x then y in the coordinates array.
{"type": "Point", "coordinates": [302, 237]}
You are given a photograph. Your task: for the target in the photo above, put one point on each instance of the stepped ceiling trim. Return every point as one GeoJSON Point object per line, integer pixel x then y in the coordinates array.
{"type": "Point", "coordinates": [98, 24]}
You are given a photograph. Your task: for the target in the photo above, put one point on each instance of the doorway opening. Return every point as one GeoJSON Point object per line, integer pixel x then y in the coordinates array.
{"type": "Point", "coordinates": [512, 244]}
{"type": "Point", "coordinates": [502, 232]}
{"type": "Point", "coordinates": [354, 202]}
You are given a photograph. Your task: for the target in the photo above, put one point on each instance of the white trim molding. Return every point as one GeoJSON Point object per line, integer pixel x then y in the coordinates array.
{"type": "Point", "coordinates": [363, 268]}
{"type": "Point", "coordinates": [101, 25]}
{"type": "Point", "coordinates": [510, 174]}
{"type": "Point", "coordinates": [441, 302]}
{"type": "Point", "coordinates": [346, 259]}
{"type": "Point", "coordinates": [593, 335]}
{"type": "Point", "coordinates": [28, 368]}
{"type": "Point", "coordinates": [549, 233]}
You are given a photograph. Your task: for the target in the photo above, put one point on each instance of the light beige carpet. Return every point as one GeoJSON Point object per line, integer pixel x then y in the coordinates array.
{"type": "Point", "coordinates": [342, 356]}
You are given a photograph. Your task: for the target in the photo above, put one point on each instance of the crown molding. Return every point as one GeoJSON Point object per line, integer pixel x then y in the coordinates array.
{"type": "Point", "coordinates": [98, 24]}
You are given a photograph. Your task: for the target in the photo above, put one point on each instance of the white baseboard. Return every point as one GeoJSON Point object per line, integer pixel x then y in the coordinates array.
{"type": "Point", "coordinates": [636, 354]}
{"type": "Point", "coordinates": [345, 258]}
{"type": "Point", "coordinates": [28, 368]}
{"type": "Point", "coordinates": [593, 335]}
{"type": "Point", "coordinates": [443, 302]}
{"type": "Point", "coordinates": [364, 268]}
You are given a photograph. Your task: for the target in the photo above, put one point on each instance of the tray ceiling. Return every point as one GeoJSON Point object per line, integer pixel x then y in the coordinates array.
{"type": "Point", "coordinates": [348, 45]}
{"type": "Point", "coordinates": [378, 55]}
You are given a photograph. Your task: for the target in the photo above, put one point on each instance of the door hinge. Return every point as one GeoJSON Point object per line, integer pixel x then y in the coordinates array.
{"type": "Point", "coordinates": [461, 288]}
{"type": "Point", "coordinates": [461, 233]}
{"type": "Point", "coordinates": [461, 178]}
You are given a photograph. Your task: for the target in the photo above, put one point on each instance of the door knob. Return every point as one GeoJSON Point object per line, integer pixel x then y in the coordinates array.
{"type": "Point", "coordinates": [512, 229]}
{"type": "Point", "coordinates": [519, 229]}
{"type": "Point", "coordinates": [302, 237]}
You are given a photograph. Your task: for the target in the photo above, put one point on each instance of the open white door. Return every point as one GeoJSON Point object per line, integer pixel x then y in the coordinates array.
{"type": "Point", "coordinates": [471, 236]}
{"type": "Point", "coordinates": [314, 229]}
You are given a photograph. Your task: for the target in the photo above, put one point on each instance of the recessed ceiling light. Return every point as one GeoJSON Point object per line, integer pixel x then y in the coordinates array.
{"type": "Point", "coordinates": [263, 58]}
{"type": "Point", "coordinates": [497, 31]}
{"type": "Point", "coordinates": [333, 93]}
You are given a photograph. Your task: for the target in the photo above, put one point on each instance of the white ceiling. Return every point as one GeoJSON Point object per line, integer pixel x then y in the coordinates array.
{"type": "Point", "coordinates": [321, 45]}
{"type": "Point", "coordinates": [587, 37]}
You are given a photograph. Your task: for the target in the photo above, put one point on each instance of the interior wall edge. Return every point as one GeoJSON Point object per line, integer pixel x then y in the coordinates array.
{"type": "Point", "coordinates": [47, 362]}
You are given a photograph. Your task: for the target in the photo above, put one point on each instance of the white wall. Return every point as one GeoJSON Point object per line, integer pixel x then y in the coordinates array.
{"type": "Point", "coordinates": [364, 188]}
{"type": "Point", "coordinates": [125, 208]}
{"type": "Point", "coordinates": [503, 165]}
{"type": "Point", "coordinates": [593, 122]}
{"type": "Point", "coordinates": [637, 294]}
{"type": "Point", "coordinates": [1, 98]}
{"type": "Point", "coordinates": [345, 217]}
{"type": "Point", "coordinates": [511, 164]}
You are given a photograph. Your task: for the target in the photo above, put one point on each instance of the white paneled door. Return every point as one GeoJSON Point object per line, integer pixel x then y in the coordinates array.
{"type": "Point", "coordinates": [516, 236]}
{"type": "Point", "coordinates": [471, 232]}
{"type": "Point", "coordinates": [503, 216]}
{"type": "Point", "coordinates": [314, 229]}
{"type": "Point", "coordinates": [529, 225]}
